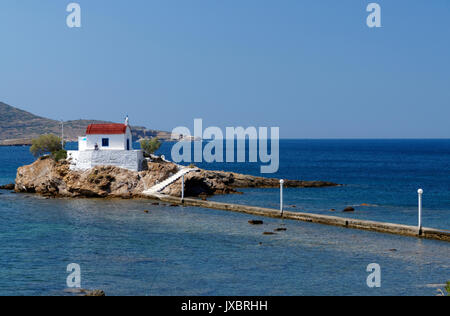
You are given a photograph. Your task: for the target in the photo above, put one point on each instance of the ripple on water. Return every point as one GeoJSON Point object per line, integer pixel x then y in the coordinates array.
{"type": "Point", "coordinates": [191, 251]}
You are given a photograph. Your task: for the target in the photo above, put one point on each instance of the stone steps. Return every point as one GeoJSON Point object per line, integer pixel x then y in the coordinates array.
{"type": "Point", "coordinates": [161, 186]}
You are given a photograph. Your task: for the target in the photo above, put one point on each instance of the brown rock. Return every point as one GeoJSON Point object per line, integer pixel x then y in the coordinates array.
{"type": "Point", "coordinates": [84, 292]}
{"type": "Point", "coordinates": [7, 187]}
{"type": "Point", "coordinates": [205, 183]}
{"type": "Point", "coordinates": [255, 222]}
{"type": "Point", "coordinates": [281, 229]}
{"type": "Point", "coordinates": [268, 233]}
{"type": "Point", "coordinates": [95, 293]}
{"type": "Point", "coordinates": [348, 209]}
{"type": "Point", "coordinates": [55, 179]}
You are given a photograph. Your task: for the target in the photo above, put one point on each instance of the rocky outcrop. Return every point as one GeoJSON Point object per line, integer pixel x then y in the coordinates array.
{"type": "Point", "coordinates": [83, 292]}
{"type": "Point", "coordinates": [220, 182]}
{"type": "Point", "coordinates": [99, 293]}
{"type": "Point", "coordinates": [8, 187]}
{"type": "Point", "coordinates": [49, 178]}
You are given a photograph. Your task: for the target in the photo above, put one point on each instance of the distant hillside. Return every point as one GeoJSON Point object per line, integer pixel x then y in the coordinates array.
{"type": "Point", "coordinates": [19, 127]}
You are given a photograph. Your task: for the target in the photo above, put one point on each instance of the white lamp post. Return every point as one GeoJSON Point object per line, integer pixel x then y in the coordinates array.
{"type": "Point", "coordinates": [281, 196]}
{"type": "Point", "coordinates": [420, 192]}
{"type": "Point", "coordinates": [182, 188]}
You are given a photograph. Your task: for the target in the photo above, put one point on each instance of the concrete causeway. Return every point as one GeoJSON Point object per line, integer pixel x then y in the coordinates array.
{"type": "Point", "coordinates": [389, 228]}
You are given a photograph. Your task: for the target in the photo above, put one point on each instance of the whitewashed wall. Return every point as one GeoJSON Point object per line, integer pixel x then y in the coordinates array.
{"type": "Point", "coordinates": [116, 142]}
{"type": "Point", "coordinates": [126, 159]}
{"type": "Point", "coordinates": [82, 143]}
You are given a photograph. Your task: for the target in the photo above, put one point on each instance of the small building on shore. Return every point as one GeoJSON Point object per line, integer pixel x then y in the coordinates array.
{"type": "Point", "coordinates": [106, 145]}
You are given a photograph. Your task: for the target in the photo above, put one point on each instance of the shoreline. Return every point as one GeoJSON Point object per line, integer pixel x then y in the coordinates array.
{"type": "Point", "coordinates": [50, 178]}
{"type": "Point", "coordinates": [55, 179]}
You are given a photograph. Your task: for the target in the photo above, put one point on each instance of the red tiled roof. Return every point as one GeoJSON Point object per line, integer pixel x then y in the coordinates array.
{"type": "Point", "coordinates": [106, 129]}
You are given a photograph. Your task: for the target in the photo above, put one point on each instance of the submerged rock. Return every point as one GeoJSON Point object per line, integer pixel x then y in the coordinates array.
{"type": "Point", "coordinates": [83, 292]}
{"type": "Point", "coordinates": [281, 229]}
{"type": "Point", "coordinates": [9, 187]}
{"type": "Point", "coordinates": [95, 293]}
{"type": "Point", "coordinates": [255, 222]}
{"type": "Point", "coordinates": [348, 209]}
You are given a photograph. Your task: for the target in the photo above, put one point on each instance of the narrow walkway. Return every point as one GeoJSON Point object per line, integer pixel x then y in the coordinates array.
{"type": "Point", "coordinates": [161, 186]}
{"type": "Point", "coordinates": [390, 228]}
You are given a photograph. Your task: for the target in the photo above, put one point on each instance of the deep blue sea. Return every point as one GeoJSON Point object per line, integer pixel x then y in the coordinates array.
{"type": "Point", "coordinates": [194, 251]}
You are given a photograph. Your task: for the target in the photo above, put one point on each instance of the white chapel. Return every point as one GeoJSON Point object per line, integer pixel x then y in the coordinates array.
{"type": "Point", "coordinates": [106, 145]}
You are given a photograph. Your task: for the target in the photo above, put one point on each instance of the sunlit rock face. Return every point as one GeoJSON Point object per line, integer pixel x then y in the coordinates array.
{"type": "Point", "coordinates": [57, 179]}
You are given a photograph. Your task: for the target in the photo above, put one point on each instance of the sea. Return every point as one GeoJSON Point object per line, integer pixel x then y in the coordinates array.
{"type": "Point", "coordinates": [124, 250]}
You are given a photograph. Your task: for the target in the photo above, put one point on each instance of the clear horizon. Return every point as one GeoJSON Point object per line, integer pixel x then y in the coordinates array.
{"type": "Point", "coordinates": [313, 68]}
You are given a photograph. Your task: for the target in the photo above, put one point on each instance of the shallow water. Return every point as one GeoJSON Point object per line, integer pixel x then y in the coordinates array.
{"type": "Point", "coordinates": [383, 174]}
{"type": "Point", "coordinates": [190, 251]}
{"type": "Point", "coordinates": [193, 251]}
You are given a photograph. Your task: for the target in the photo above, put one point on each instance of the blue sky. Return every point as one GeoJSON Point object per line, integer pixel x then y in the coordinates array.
{"type": "Point", "coordinates": [311, 67]}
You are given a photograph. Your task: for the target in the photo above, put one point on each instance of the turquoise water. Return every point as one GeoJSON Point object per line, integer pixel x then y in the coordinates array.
{"type": "Point", "coordinates": [192, 251]}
